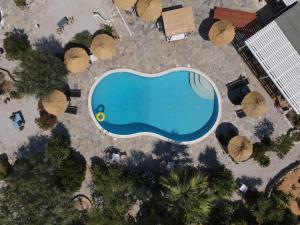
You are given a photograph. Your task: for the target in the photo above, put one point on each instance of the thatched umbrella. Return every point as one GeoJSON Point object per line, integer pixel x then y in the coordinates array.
{"type": "Point", "coordinates": [240, 148]}
{"type": "Point", "coordinates": [221, 33]}
{"type": "Point", "coordinates": [125, 4]}
{"type": "Point", "coordinates": [56, 103]}
{"type": "Point", "coordinates": [254, 104]}
{"type": "Point", "coordinates": [103, 47]}
{"type": "Point", "coordinates": [149, 10]}
{"type": "Point", "coordinates": [76, 60]}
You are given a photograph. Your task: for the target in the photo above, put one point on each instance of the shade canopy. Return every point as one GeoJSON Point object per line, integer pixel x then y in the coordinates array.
{"type": "Point", "coordinates": [76, 60]}
{"type": "Point", "coordinates": [240, 148]}
{"type": "Point", "coordinates": [56, 103]}
{"type": "Point", "coordinates": [149, 10]}
{"type": "Point", "coordinates": [125, 4]}
{"type": "Point", "coordinates": [178, 21]}
{"type": "Point", "coordinates": [221, 33]}
{"type": "Point", "coordinates": [103, 47]}
{"type": "Point", "coordinates": [254, 104]}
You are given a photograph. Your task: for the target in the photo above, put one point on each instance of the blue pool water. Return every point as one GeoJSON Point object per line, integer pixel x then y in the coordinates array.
{"type": "Point", "coordinates": [167, 105]}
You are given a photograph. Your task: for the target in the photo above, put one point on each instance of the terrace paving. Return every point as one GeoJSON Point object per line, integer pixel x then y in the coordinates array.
{"type": "Point", "coordinates": [147, 51]}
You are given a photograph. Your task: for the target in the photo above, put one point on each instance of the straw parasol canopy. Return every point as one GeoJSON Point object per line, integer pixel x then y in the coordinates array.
{"type": "Point", "coordinates": [149, 10]}
{"type": "Point", "coordinates": [125, 4]}
{"type": "Point", "coordinates": [221, 33]}
{"type": "Point", "coordinates": [240, 148]}
{"type": "Point", "coordinates": [56, 103]}
{"type": "Point", "coordinates": [103, 47]}
{"type": "Point", "coordinates": [76, 60]}
{"type": "Point", "coordinates": [254, 104]}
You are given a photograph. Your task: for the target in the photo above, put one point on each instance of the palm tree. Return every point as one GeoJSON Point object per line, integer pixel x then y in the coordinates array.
{"type": "Point", "coordinates": [186, 197]}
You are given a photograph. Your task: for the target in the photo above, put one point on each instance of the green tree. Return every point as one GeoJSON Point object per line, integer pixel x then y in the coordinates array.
{"type": "Point", "coordinates": [71, 173]}
{"type": "Point", "coordinates": [282, 145]}
{"type": "Point", "coordinates": [31, 196]}
{"type": "Point", "coordinates": [58, 150]}
{"type": "Point", "coordinates": [106, 217]}
{"type": "Point", "coordinates": [114, 192]}
{"type": "Point", "coordinates": [272, 210]}
{"type": "Point", "coordinates": [226, 212]}
{"type": "Point", "coordinates": [69, 165]}
{"type": "Point", "coordinates": [186, 198]}
{"type": "Point", "coordinates": [83, 38]}
{"type": "Point", "coordinates": [221, 181]}
{"type": "Point", "coordinates": [15, 44]}
{"type": "Point", "coordinates": [39, 74]}
{"type": "Point", "coordinates": [20, 3]}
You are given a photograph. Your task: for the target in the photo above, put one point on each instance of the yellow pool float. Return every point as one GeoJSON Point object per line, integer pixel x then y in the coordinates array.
{"type": "Point", "coordinates": [100, 116]}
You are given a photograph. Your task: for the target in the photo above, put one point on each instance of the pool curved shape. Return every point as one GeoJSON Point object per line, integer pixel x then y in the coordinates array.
{"type": "Point", "coordinates": [181, 104]}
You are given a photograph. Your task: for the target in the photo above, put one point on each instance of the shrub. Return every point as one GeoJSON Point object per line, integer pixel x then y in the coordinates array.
{"type": "Point", "coordinates": [15, 44]}
{"type": "Point", "coordinates": [83, 38]}
{"type": "Point", "coordinates": [4, 167]}
{"type": "Point", "coordinates": [58, 150]}
{"type": "Point", "coordinates": [108, 30]}
{"type": "Point", "coordinates": [282, 145]}
{"type": "Point", "coordinates": [40, 74]}
{"type": "Point", "coordinates": [15, 95]}
{"type": "Point", "coordinates": [69, 165]}
{"type": "Point", "coordinates": [262, 159]}
{"type": "Point", "coordinates": [71, 172]}
{"type": "Point", "coordinates": [20, 3]}
{"type": "Point", "coordinates": [46, 121]}
{"type": "Point", "coordinates": [296, 136]}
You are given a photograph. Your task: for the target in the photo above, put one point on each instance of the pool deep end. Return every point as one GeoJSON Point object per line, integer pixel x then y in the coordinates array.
{"type": "Point", "coordinates": [179, 104]}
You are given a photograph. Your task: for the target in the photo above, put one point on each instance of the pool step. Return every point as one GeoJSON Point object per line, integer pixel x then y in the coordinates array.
{"type": "Point", "coordinates": [201, 86]}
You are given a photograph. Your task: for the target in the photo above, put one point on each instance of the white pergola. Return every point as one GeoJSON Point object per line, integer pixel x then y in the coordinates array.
{"type": "Point", "coordinates": [289, 2]}
{"type": "Point", "coordinates": [280, 60]}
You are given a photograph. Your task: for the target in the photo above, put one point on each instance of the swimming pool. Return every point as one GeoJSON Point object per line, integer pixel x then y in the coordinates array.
{"type": "Point", "coordinates": [181, 104]}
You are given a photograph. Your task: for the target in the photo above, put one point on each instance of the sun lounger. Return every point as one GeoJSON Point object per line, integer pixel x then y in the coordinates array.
{"type": "Point", "coordinates": [238, 83]}
{"type": "Point", "coordinates": [75, 93]}
{"type": "Point", "coordinates": [72, 110]}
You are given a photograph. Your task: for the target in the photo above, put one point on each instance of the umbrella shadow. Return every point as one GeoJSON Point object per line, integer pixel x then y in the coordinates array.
{"type": "Point", "coordinates": [205, 26]}
{"type": "Point", "coordinates": [49, 45]}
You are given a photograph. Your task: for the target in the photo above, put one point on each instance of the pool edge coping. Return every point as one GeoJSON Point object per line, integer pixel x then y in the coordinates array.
{"type": "Point", "coordinates": [107, 73]}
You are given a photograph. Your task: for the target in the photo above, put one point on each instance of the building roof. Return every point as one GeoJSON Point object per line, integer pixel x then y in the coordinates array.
{"type": "Point", "coordinates": [290, 26]}
{"type": "Point", "coordinates": [178, 21]}
{"type": "Point", "coordinates": [237, 18]}
{"type": "Point", "coordinates": [289, 2]}
{"type": "Point", "coordinates": [280, 60]}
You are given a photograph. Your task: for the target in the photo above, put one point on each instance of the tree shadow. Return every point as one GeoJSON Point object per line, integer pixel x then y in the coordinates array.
{"type": "Point", "coordinates": [61, 130]}
{"type": "Point", "coordinates": [142, 162]}
{"type": "Point", "coordinates": [209, 158]}
{"type": "Point", "coordinates": [167, 151]}
{"type": "Point", "coordinates": [49, 45]}
{"type": "Point", "coordinates": [35, 145]}
{"type": "Point", "coordinates": [251, 182]}
{"type": "Point", "coordinates": [264, 129]}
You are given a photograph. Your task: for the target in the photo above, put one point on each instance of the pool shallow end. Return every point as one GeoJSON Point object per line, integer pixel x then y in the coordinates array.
{"type": "Point", "coordinates": [154, 134]}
